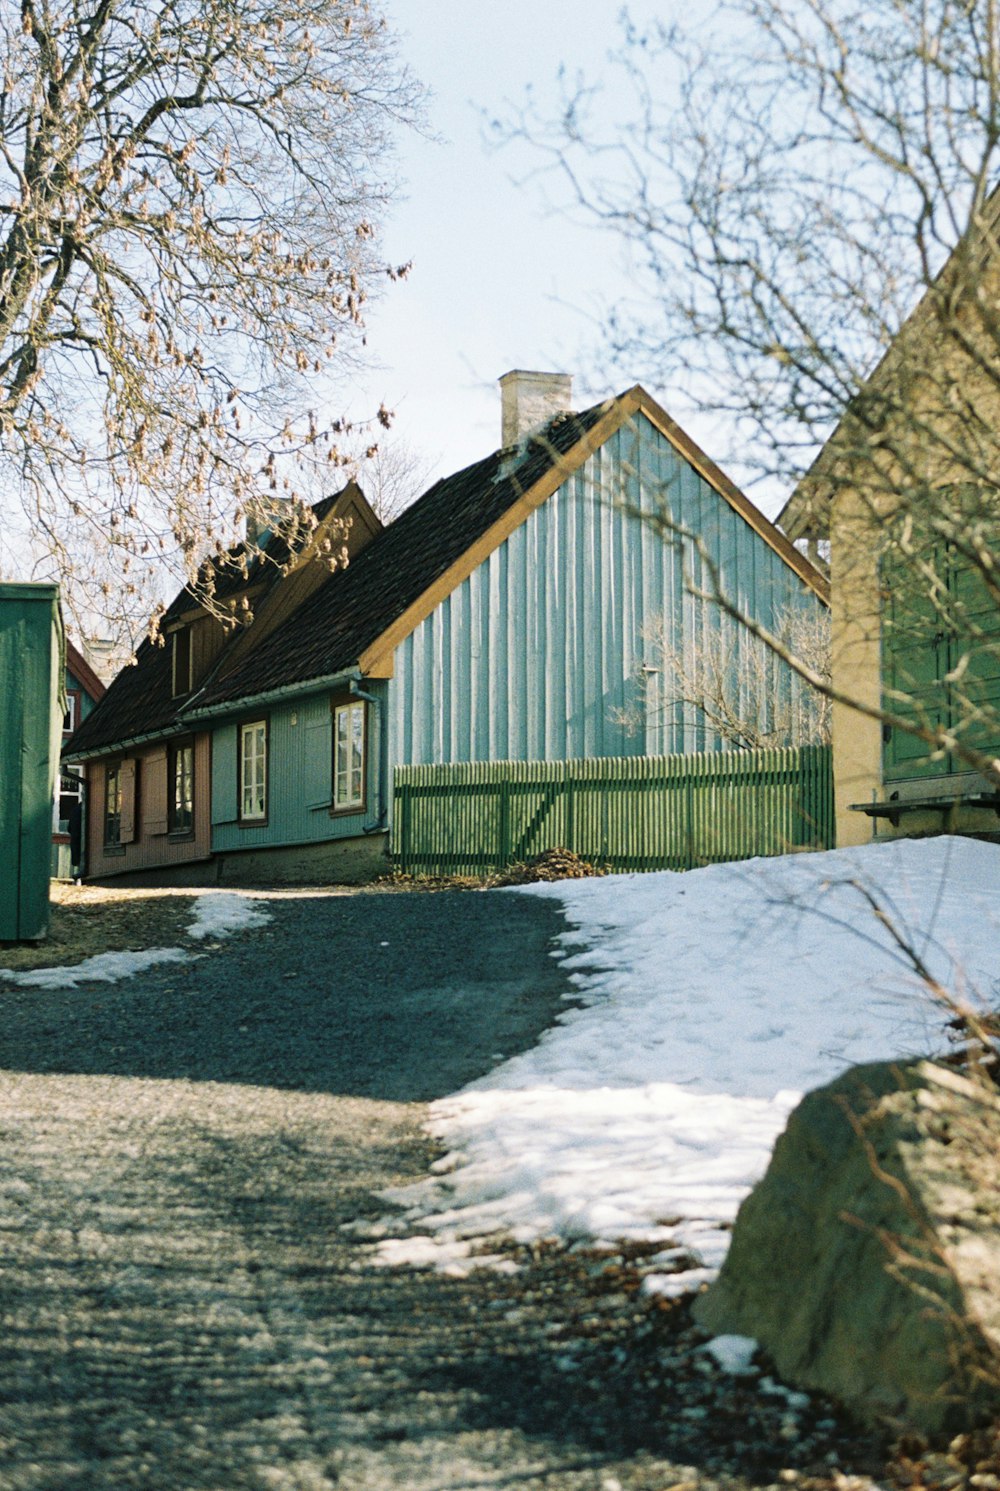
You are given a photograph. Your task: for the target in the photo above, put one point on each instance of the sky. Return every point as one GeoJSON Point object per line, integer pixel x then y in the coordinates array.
{"type": "Point", "coordinates": [499, 279]}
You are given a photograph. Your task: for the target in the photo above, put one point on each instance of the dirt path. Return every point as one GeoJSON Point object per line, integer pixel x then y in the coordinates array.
{"type": "Point", "coordinates": [183, 1303]}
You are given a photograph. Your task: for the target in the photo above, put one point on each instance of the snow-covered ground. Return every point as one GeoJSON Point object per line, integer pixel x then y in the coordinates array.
{"type": "Point", "coordinates": [216, 914]}
{"type": "Point", "coordinates": [710, 1002]}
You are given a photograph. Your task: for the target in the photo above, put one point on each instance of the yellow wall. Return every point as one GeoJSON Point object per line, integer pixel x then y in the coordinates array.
{"type": "Point", "coordinates": [855, 657]}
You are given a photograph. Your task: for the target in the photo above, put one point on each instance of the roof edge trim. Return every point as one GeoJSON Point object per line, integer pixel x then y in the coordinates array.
{"type": "Point", "coordinates": [210, 712]}
{"type": "Point", "coordinates": [731, 493]}
{"type": "Point", "coordinates": [633, 401]}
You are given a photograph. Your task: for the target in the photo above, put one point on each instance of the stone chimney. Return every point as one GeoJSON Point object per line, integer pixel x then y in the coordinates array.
{"type": "Point", "coordinates": [530, 400]}
{"type": "Point", "coordinates": [100, 653]}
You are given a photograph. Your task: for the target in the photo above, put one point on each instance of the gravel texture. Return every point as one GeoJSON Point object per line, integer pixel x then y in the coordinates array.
{"type": "Point", "coordinates": [189, 1171]}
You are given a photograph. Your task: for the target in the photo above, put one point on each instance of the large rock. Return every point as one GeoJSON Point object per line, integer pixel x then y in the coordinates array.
{"type": "Point", "coordinates": [867, 1260]}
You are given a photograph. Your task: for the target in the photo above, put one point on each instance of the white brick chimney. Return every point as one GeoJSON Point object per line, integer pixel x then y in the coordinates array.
{"type": "Point", "coordinates": [530, 400]}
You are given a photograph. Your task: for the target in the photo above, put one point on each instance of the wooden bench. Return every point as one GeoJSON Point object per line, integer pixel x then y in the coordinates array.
{"type": "Point", "coordinates": [894, 807]}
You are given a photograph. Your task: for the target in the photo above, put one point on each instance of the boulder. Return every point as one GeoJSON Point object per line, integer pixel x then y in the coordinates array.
{"type": "Point", "coordinates": [867, 1260]}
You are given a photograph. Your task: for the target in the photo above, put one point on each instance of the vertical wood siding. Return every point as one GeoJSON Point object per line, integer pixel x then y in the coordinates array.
{"type": "Point", "coordinates": [31, 679]}
{"type": "Point", "coordinates": [152, 846]}
{"type": "Point", "coordinates": [300, 778]}
{"type": "Point", "coordinates": [539, 651]}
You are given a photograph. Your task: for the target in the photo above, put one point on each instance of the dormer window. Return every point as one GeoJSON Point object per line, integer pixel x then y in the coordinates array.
{"type": "Point", "coordinates": [181, 662]}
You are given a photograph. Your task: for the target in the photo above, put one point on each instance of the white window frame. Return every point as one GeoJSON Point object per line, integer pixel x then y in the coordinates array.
{"type": "Point", "coordinates": [349, 795]}
{"type": "Point", "coordinates": [253, 765]}
{"type": "Point", "coordinates": [72, 716]}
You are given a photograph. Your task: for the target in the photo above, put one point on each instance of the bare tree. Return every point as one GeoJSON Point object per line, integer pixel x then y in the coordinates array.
{"type": "Point", "coordinates": [806, 192]}
{"type": "Point", "coordinates": [742, 694]}
{"type": "Point", "coordinates": [393, 474]}
{"type": "Point", "coordinates": [188, 236]}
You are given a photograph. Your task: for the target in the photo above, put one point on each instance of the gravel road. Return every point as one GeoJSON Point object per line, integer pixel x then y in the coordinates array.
{"type": "Point", "coordinates": [185, 1301]}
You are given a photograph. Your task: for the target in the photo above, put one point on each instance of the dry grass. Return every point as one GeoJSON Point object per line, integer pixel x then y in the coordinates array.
{"type": "Point", "coordinates": [90, 919]}
{"type": "Point", "coordinates": [551, 864]}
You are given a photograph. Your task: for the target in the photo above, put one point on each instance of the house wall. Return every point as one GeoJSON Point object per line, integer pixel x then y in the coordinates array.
{"type": "Point", "coordinates": [149, 849]}
{"type": "Point", "coordinates": [300, 771]}
{"type": "Point", "coordinates": [859, 606]}
{"type": "Point", "coordinates": [537, 654]}
{"type": "Point", "coordinates": [935, 429]}
{"type": "Point", "coordinates": [855, 648]}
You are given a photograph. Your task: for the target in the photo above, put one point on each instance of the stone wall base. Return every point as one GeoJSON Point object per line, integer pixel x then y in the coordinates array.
{"type": "Point", "coordinates": [339, 862]}
{"type": "Point", "coordinates": [353, 861]}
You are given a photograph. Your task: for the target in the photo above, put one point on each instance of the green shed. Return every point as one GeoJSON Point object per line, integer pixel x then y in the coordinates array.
{"type": "Point", "coordinates": [32, 705]}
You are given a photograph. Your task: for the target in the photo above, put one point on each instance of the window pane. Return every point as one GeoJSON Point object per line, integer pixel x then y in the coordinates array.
{"type": "Point", "coordinates": [253, 770]}
{"type": "Point", "coordinates": [349, 754]}
{"type": "Point", "coordinates": [112, 806]}
{"type": "Point", "coordinates": [182, 800]}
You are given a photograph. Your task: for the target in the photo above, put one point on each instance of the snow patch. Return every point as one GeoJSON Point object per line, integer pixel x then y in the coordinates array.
{"type": "Point", "coordinates": [672, 1286]}
{"type": "Point", "coordinates": [106, 968]}
{"type": "Point", "coordinates": [708, 1002]}
{"type": "Point", "coordinates": [219, 913]}
{"type": "Point", "coordinates": [216, 914]}
{"type": "Point", "coordinates": [734, 1354]}
{"type": "Point", "coordinates": [455, 1259]}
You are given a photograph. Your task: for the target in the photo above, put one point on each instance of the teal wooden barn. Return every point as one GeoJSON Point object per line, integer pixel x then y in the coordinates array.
{"type": "Point", "coordinates": [505, 616]}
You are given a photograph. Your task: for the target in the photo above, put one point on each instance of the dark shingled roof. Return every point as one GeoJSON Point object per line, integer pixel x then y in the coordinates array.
{"type": "Point", "coordinates": [265, 565]}
{"type": "Point", "coordinates": [328, 633]}
{"type": "Point", "coordinates": [138, 702]}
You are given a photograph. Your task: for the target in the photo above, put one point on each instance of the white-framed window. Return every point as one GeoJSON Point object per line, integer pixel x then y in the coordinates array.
{"type": "Point", "coordinates": [348, 756]}
{"type": "Point", "coordinates": [253, 771]}
{"type": "Point", "coordinates": [72, 716]}
{"type": "Point", "coordinates": [68, 796]}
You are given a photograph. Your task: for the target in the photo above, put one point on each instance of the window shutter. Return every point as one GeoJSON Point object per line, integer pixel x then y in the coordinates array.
{"type": "Point", "coordinates": [156, 794]}
{"type": "Point", "coordinates": [225, 773]}
{"type": "Point", "coordinates": [128, 778]}
{"type": "Point", "coordinates": [318, 761]}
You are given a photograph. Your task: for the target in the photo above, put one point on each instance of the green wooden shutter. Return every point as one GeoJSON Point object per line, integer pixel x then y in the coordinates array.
{"type": "Point", "coordinates": [941, 647]}
{"type": "Point", "coordinates": [915, 659]}
{"type": "Point", "coordinates": [975, 660]}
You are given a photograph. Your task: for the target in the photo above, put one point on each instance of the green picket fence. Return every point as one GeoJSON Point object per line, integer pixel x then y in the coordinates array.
{"type": "Point", "coordinates": [625, 813]}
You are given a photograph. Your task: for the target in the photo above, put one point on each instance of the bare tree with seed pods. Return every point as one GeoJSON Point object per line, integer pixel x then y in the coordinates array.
{"type": "Point", "coordinates": [741, 694]}
{"type": "Point", "coordinates": [190, 193]}
{"type": "Point", "coordinates": [806, 191]}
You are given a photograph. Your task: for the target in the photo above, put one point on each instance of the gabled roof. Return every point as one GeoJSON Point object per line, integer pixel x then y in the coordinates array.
{"type": "Point", "coordinates": [356, 620]}
{"type": "Point", "coordinates": [139, 703]}
{"type": "Point", "coordinates": [806, 514]}
{"type": "Point", "coordinates": [339, 624]}
{"type": "Point", "coordinates": [81, 670]}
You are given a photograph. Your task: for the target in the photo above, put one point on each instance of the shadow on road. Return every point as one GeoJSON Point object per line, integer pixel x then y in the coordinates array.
{"type": "Point", "coordinates": [398, 997]}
